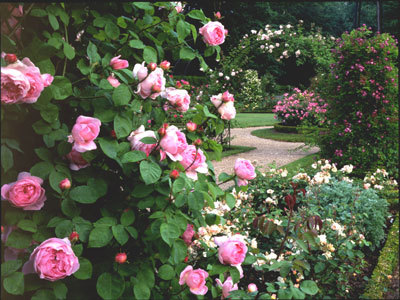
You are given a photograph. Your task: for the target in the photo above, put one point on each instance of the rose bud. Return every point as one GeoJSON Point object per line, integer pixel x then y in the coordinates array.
{"type": "Point", "coordinates": [2, 228]}
{"type": "Point", "coordinates": [152, 66]}
{"type": "Point", "coordinates": [165, 65]}
{"type": "Point", "coordinates": [186, 259]}
{"type": "Point", "coordinates": [10, 58]}
{"type": "Point", "coordinates": [174, 174]}
{"type": "Point", "coordinates": [178, 85]}
{"type": "Point", "coordinates": [252, 288]}
{"type": "Point", "coordinates": [191, 126]}
{"type": "Point", "coordinates": [217, 15]}
{"type": "Point", "coordinates": [74, 237]}
{"type": "Point", "coordinates": [121, 258]}
{"type": "Point", "coordinates": [165, 125]}
{"type": "Point", "coordinates": [113, 134]}
{"type": "Point", "coordinates": [185, 82]}
{"type": "Point", "coordinates": [162, 131]}
{"type": "Point", "coordinates": [197, 142]}
{"type": "Point", "coordinates": [156, 88]}
{"type": "Point", "coordinates": [65, 184]}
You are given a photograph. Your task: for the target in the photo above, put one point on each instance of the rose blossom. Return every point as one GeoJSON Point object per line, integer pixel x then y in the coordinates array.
{"type": "Point", "coordinates": [193, 162]}
{"type": "Point", "coordinates": [52, 260]}
{"type": "Point", "coordinates": [173, 143]}
{"type": "Point", "coordinates": [140, 72]}
{"type": "Point", "coordinates": [118, 64]}
{"type": "Point", "coordinates": [195, 280]}
{"type": "Point", "coordinates": [139, 134]}
{"type": "Point", "coordinates": [244, 170]}
{"type": "Point", "coordinates": [180, 99]}
{"type": "Point", "coordinates": [213, 33]}
{"type": "Point", "coordinates": [251, 288]}
{"type": "Point", "coordinates": [85, 130]}
{"type": "Point", "coordinates": [113, 81]}
{"type": "Point", "coordinates": [76, 160]}
{"type": "Point", "coordinates": [232, 250]}
{"type": "Point", "coordinates": [227, 286]}
{"type": "Point", "coordinates": [216, 100]}
{"type": "Point", "coordinates": [226, 96]}
{"type": "Point", "coordinates": [188, 234]}
{"type": "Point", "coordinates": [227, 111]}
{"type": "Point", "coordinates": [191, 126]}
{"type": "Point", "coordinates": [26, 192]}
{"type": "Point", "coordinates": [165, 65]}
{"type": "Point", "coordinates": [152, 85]}
{"type": "Point", "coordinates": [14, 86]}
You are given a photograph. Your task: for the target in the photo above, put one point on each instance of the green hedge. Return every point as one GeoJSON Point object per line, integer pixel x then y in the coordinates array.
{"type": "Point", "coordinates": [387, 263]}
{"type": "Point", "coordinates": [286, 129]}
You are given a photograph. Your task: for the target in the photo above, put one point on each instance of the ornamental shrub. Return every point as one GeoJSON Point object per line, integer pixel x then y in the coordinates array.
{"type": "Point", "coordinates": [362, 91]}
{"type": "Point", "coordinates": [250, 96]}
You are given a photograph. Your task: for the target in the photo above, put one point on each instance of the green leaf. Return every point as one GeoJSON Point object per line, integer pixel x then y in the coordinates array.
{"type": "Point", "coordinates": [208, 114]}
{"type": "Point", "coordinates": [46, 66]}
{"type": "Point", "coordinates": [179, 251]}
{"type": "Point", "coordinates": [49, 113]}
{"type": "Point", "coordinates": [132, 231]}
{"type": "Point", "coordinates": [178, 185]}
{"type": "Point", "coordinates": [85, 269]}
{"type": "Point", "coordinates": [85, 70]}
{"type": "Point", "coordinates": [169, 232]}
{"type": "Point", "coordinates": [84, 194]}
{"type": "Point", "coordinates": [37, 12]}
{"type": "Point", "coordinates": [309, 287]}
{"type": "Point", "coordinates": [137, 44]}
{"type": "Point", "coordinates": [41, 127]}
{"type": "Point", "coordinates": [69, 51]}
{"type": "Point", "coordinates": [141, 290]}
{"type": "Point", "coordinates": [297, 294]}
{"type": "Point", "coordinates": [69, 208]}
{"type": "Point", "coordinates": [121, 95]}
{"type": "Point", "coordinates": [150, 171]}
{"type": "Point", "coordinates": [120, 234]}
{"type": "Point", "coordinates": [121, 22]}
{"type": "Point", "coordinates": [166, 272]}
{"type": "Point", "coordinates": [195, 201]}
{"type": "Point", "coordinates": [83, 228]}
{"type": "Point", "coordinates": [230, 200]}
{"type": "Point", "coordinates": [7, 160]}
{"type": "Point", "coordinates": [149, 140]}
{"type": "Point", "coordinates": [42, 169]}
{"type": "Point", "coordinates": [44, 294]}
{"type": "Point", "coordinates": [60, 290]}
{"type": "Point", "coordinates": [319, 267]}
{"type": "Point", "coordinates": [127, 217]}
{"type": "Point", "coordinates": [112, 31]}
{"type": "Point", "coordinates": [27, 225]}
{"type": "Point", "coordinates": [302, 245]}
{"type": "Point", "coordinates": [122, 126]}
{"type": "Point", "coordinates": [64, 229]}
{"type": "Point", "coordinates": [285, 294]}
{"type": "Point", "coordinates": [14, 284]}
{"type": "Point", "coordinates": [92, 53]}
{"type": "Point", "coordinates": [149, 54]}
{"type": "Point", "coordinates": [109, 147]}
{"type": "Point", "coordinates": [55, 178]}
{"type": "Point", "coordinates": [9, 267]}
{"type": "Point", "coordinates": [183, 29]}
{"type": "Point", "coordinates": [194, 32]}
{"type": "Point", "coordinates": [143, 5]}
{"type": "Point", "coordinates": [133, 156]}
{"type": "Point", "coordinates": [61, 87]}
{"type": "Point", "coordinates": [53, 22]}
{"type": "Point", "coordinates": [197, 14]}
{"type": "Point", "coordinates": [187, 53]}
{"type": "Point", "coordinates": [110, 286]}
{"type": "Point", "coordinates": [106, 221]}
{"type": "Point", "coordinates": [100, 237]}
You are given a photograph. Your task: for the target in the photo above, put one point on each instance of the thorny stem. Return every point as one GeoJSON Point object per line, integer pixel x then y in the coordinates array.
{"type": "Point", "coordinates": [195, 157]}
{"type": "Point", "coordinates": [286, 233]}
{"type": "Point", "coordinates": [65, 60]}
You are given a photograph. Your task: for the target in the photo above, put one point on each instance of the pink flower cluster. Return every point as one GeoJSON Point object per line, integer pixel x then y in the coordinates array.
{"type": "Point", "coordinates": [21, 82]}
{"type": "Point", "coordinates": [299, 107]}
{"type": "Point", "coordinates": [244, 170]}
{"type": "Point", "coordinates": [150, 85]}
{"type": "Point", "coordinates": [225, 105]}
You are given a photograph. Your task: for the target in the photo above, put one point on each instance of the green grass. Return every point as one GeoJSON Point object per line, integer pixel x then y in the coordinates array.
{"type": "Point", "coordinates": [304, 163]}
{"type": "Point", "coordinates": [244, 120]}
{"type": "Point", "coordinates": [272, 134]}
{"type": "Point", "coordinates": [228, 152]}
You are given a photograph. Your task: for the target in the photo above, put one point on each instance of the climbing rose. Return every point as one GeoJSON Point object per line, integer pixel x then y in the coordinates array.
{"type": "Point", "coordinates": [216, 100]}
{"type": "Point", "coordinates": [227, 111]}
{"type": "Point", "coordinates": [180, 99]}
{"type": "Point", "coordinates": [191, 126]}
{"type": "Point", "coordinates": [173, 144]}
{"type": "Point", "coordinates": [232, 250]}
{"type": "Point", "coordinates": [140, 72]}
{"type": "Point", "coordinates": [227, 286]}
{"type": "Point", "coordinates": [165, 65]}
{"type": "Point", "coordinates": [226, 96]}
{"type": "Point", "coordinates": [152, 85]}
{"type": "Point", "coordinates": [195, 280]}
{"type": "Point", "coordinates": [52, 260]}
{"type": "Point", "coordinates": [26, 193]}
{"type": "Point", "coordinates": [14, 86]}
{"type": "Point", "coordinates": [188, 234]}
{"type": "Point", "coordinates": [213, 33]}
{"type": "Point", "coordinates": [193, 162]}
{"type": "Point", "coordinates": [118, 64]}
{"type": "Point", "coordinates": [121, 258]}
{"type": "Point", "coordinates": [251, 288]}
{"type": "Point", "coordinates": [113, 81]}
{"type": "Point", "coordinates": [65, 184]}
{"type": "Point", "coordinates": [76, 160]}
{"type": "Point", "coordinates": [139, 134]}
{"type": "Point", "coordinates": [85, 130]}
{"type": "Point", "coordinates": [244, 170]}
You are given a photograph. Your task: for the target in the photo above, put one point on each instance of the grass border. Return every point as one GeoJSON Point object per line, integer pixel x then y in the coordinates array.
{"type": "Point", "coordinates": [387, 262]}
{"type": "Point", "coordinates": [232, 151]}
{"type": "Point", "coordinates": [272, 134]}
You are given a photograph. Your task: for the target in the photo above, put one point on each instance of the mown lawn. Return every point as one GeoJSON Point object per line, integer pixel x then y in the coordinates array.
{"type": "Point", "coordinates": [304, 163]}
{"type": "Point", "coordinates": [231, 151]}
{"type": "Point", "coordinates": [272, 134]}
{"type": "Point", "coordinates": [244, 120]}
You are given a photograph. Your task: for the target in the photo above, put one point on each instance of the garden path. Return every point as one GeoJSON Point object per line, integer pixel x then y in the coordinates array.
{"type": "Point", "coordinates": [266, 152]}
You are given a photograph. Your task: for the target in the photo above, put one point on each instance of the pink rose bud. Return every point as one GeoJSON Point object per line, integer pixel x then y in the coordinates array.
{"type": "Point", "coordinates": [185, 260]}
{"type": "Point", "coordinates": [227, 286]}
{"type": "Point", "coordinates": [118, 64]}
{"type": "Point", "coordinates": [162, 131]}
{"type": "Point", "coordinates": [2, 229]}
{"type": "Point", "coordinates": [188, 234]}
{"type": "Point", "coordinates": [165, 65]}
{"type": "Point", "coordinates": [197, 142]}
{"type": "Point", "coordinates": [251, 288]}
{"type": "Point", "coordinates": [152, 66]}
{"type": "Point", "coordinates": [191, 126]}
{"type": "Point", "coordinates": [10, 58]}
{"type": "Point", "coordinates": [113, 81]}
{"type": "Point", "coordinates": [226, 32]}
{"type": "Point", "coordinates": [156, 88]}
{"type": "Point", "coordinates": [226, 96]}
{"type": "Point", "coordinates": [185, 82]}
{"type": "Point", "coordinates": [113, 134]}
{"type": "Point", "coordinates": [85, 130]}
{"type": "Point", "coordinates": [244, 170]}
{"type": "Point", "coordinates": [65, 184]}
{"type": "Point", "coordinates": [165, 125]}
{"type": "Point", "coordinates": [74, 237]}
{"type": "Point", "coordinates": [121, 258]}
{"type": "Point", "coordinates": [178, 85]}
{"type": "Point", "coordinates": [174, 174]}
{"type": "Point", "coordinates": [217, 15]}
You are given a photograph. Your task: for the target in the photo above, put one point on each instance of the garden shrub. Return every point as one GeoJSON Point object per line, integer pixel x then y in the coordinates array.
{"type": "Point", "coordinates": [362, 94]}
{"type": "Point", "coordinates": [250, 97]}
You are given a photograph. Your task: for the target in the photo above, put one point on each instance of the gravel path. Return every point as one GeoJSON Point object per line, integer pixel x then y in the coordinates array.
{"type": "Point", "coordinates": [268, 151]}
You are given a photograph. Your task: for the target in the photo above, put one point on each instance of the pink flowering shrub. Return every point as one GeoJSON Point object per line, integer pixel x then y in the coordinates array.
{"type": "Point", "coordinates": [301, 108]}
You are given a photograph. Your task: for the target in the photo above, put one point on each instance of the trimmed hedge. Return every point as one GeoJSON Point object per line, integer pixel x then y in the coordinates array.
{"type": "Point", "coordinates": [387, 263]}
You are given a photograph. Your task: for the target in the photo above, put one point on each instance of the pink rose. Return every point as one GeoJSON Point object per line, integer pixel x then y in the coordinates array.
{"type": "Point", "coordinates": [173, 143]}
{"type": "Point", "coordinates": [191, 126]}
{"type": "Point", "coordinates": [26, 192]}
{"type": "Point", "coordinates": [244, 170]}
{"type": "Point", "coordinates": [193, 162]}
{"type": "Point", "coordinates": [226, 96]}
{"type": "Point", "coordinates": [195, 280]}
{"type": "Point", "coordinates": [180, 99]}
{"type": "Point", "coordinates": [216, 100]}
{"type": "Point", "coordinates": [140, 72]}
{"type": "Point", "coordinates": [14, 86]}
{"type": "Point", "coordinates": [47, 79]}
{"type": "Point", "coordinates": [232, 250]}
{"type": "Point", "coordinates": [178, 7]}
{"type": "Point", "coordinates": [188, 234]}
{"type": "Point", "coordinates": [118, 64]}
{"type": "Point", "coordinates": [113, 81]}
{"type": "Point", "coordinates": [52, 260]}
{"type": "Point", "coordinates": [165, 65]}
{"type": "Point", "coordinates": [85, 130]}
{"type": "Point", "coordinates": [213, 33]}
{"type": "Point", "coordinates": [76, 160]}
{"type": "Point", "coordinates": [227, 111]}
{"type": "Point", "coordinates": [227, 286]}
{"type": "Point", "coordinates": [152, 85]}
{"type": "Point", "coordinates": [139, 134]}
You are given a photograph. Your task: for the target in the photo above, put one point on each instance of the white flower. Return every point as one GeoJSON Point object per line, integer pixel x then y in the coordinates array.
{"type": "Point", "coordinates": [269, 200]}
{"type": "Point", "coordinates": [328, 255]}
{"type": "Point", "coordinates": [227, 78]}
{"type": "Point", "coordinates": [271, 256]}
{"type": "Point", "coordinates": [322, 239]}
{"type": "Point", "coordinates": [298, 52]}
{"type": "Point", "coordinates": [254, 243]}
{"type": "Point", "coordinates": [348, 169]}
{"type": "Point", "coordinates": [314, 165]}
{"type": "Point", "coordinates": [220, 74]}
{"type": "Point", "coordinates": [233, 73]}
{"type": "Point", "coordinates": [277, 222]}
{"type": "Point", "coordinates": [378, 187]}
{"type": "Point", "coordinates": [277, 44]}
{"type": "Point", "coordinates": [335, 226]}
{"type": "Point", "coordinates": [288, 26]}
{"type": "Point", "coordinates": [367, 186]}
{"type": "Point", "coordinates": [269, 191]}
{"type": "Point", "coordinates": [270, 50]}
{"type": "Point", "coordinates": [284, 173]}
